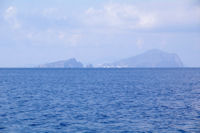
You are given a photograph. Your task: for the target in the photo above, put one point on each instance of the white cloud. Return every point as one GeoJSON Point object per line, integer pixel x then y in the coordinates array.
{"type": "Point", "coordinates": [54, 13]}
{"type": "Point", "coordinates": [107, 21]}
{"type": "Point", "coordinates": [178, 13]}
{"type": "Point", "coordinates": [54, 37]}
{"type": "Point", "coordinates": [121, 16]}
{"type": "Point", "coordinates": [70, 39]}
{"type": "Point", "coordinates": [10, 16]}
{"type": "Point", "coordinates": [37, 35]}
{"type": "Point", "coordinates": [144, 15]}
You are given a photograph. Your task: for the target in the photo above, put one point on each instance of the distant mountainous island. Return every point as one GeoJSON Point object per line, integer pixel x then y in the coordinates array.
{"type": "Point", "coordinates": [152, 58]}
{"type": "Point", "coordinates": [70, 63]}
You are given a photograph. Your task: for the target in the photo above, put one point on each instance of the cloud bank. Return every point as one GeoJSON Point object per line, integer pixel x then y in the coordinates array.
{"type": "Point", "coordinates": [38, 25]}
{"type": "Point", "coordinates": [145, 16]}
{"type": "Point", "coordinates": [85, 30]}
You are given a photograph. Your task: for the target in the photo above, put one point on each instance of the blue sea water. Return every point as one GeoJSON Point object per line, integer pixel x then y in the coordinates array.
{"type": "Point", "coordinates": [99, 100]}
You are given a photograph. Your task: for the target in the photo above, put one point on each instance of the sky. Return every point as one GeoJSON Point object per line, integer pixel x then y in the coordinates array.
{"type": "Point", "coordinates": [97, 31]}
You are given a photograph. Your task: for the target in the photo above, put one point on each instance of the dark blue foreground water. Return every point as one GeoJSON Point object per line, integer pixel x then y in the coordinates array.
{"type": "Point", "coordinates": [99, 100]}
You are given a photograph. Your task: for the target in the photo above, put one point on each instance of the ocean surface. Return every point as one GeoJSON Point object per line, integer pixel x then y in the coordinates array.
{"type": "Point", "coordinates": [100, 100]}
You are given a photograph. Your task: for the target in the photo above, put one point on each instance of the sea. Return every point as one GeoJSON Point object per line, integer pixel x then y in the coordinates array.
{"type": "Point", "coordinates": [97, 100]}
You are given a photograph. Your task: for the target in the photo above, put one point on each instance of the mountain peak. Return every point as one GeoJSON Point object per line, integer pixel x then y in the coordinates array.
{"type": "Point", "coordinates": [151, 58]}
{"type": "Point", "coordinates": [70, 63]}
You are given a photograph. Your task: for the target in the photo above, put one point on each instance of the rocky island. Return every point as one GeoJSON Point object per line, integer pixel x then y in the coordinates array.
{"type": "Point", "coordinates": [151, 58]}
{"type": "Point", "coordinates": [70, 63]}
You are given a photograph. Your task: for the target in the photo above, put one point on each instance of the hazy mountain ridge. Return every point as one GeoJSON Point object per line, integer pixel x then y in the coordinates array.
{"type": "Point", "coordinates": [70, 63]}
{"type": "Point", "coordinates": [151, 58]}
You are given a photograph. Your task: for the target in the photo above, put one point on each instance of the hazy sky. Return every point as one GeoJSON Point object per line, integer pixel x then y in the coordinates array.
{"type": "Point", "coordinates": [34, 32]}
